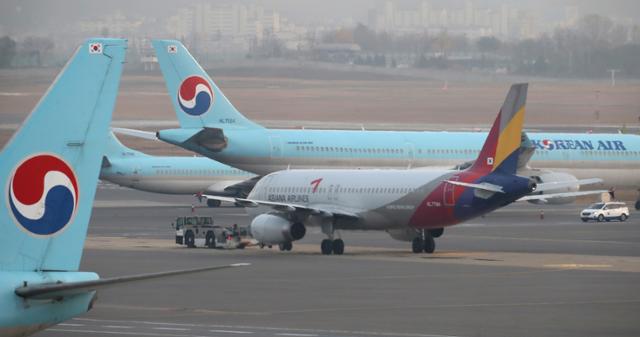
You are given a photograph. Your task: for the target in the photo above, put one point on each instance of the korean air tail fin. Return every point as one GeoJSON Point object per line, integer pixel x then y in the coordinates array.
{"type": "Point", "coordinates": [49, 169]}
{"type": "Point", "coordinates": [502, 147]}
{"type": "Point", "coordinates": [197, 100]}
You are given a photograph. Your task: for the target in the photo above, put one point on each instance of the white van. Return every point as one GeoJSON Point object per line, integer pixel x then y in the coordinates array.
{"type": "Point", "coordinates": [601, 211]}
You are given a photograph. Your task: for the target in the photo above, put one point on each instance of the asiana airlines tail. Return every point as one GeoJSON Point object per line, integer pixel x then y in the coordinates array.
{"type": "Point", "coordinates": [210, 125]}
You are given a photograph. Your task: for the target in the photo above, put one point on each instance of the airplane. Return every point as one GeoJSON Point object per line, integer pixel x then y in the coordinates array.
{"type": "Point", "coordinates": [172, 174]}
{"type": "Point", "coordinates": [211, 126]}
{"type": "Point", "coordinates": [413, 205]}
{"type": "Point", "coordinates": [49, 170]}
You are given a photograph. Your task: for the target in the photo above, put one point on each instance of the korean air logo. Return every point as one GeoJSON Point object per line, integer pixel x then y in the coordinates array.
{"type": "Point", "coordinates": [43, 194]}
{"type": "Point", "coordinates": [546, 144]}
{"type": "Point", "coordinates": [195, 95]}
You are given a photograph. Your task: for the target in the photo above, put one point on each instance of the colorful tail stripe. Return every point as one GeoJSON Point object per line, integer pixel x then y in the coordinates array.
{"type": "Point", "coordinates": [503, 141]}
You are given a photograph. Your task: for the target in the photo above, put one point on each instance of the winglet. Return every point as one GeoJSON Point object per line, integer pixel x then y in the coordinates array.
{"type": "Point", "coordinates": [500, 150]}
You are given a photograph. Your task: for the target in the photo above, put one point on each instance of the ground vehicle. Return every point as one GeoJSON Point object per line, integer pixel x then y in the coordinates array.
{"type": "Point", "coordinates": [608, 211]}
{"type": "Point", "coordinates": [200, 231]}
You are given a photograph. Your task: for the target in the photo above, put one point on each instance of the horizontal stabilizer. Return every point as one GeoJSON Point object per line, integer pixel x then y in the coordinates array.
{"type": "Point", "coordinates": [61, 290]}
{"type": "Point", "coordinates": [545, 197]}
{"type": "Point", "coordinates": [563, 184]}
{"type": "Point", "coordinates": [483, 186]}
{"type": "Point", "coordinates": [136, 133]}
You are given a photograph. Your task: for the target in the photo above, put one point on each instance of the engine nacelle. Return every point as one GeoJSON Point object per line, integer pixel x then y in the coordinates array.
{"type": "Point", "coordinates": [550, 177]}
{"type": "Point", "coordinates": [271, 229]}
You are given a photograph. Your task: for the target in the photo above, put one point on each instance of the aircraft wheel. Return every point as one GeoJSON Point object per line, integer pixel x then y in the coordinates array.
{"type": "Point", "coordinates": [286, 246]}
{"type": "Point", "coordinates": [338, 247]}
{"type": "Point", "coordinates": [417, 245]}
{"type": "Point", "coordinates": [600, 218]}
{"type": "Point", "coordinates": [326, 247]}
{"type": "Point", "coordinates": [190, 239]}
{"type": "Point", "coordinates": [429, 244]}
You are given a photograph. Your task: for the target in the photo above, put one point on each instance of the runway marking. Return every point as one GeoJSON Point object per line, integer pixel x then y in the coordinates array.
{"type": "Point", "coordinates": [453, 306]}
{"type": "Point", "coordinates": [120, 333]}
{"type": "Point", "coordinates": [297, 334]}
{"type": "Point", "coordinates": [232, 331]}
{"type": "Point", "coordinates": [578, 265]}
{"type": "Point", "coordinates": [275, 329]}
{"type": "Point", "coordinates": [175, 329]}
{"type": "Point", "coordinates": [70, 324]}
{"type": "Point", "coordinates": [117, 327]}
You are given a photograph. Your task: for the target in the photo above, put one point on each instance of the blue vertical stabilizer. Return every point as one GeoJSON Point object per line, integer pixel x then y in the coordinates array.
{"type": "Point", "coordinates": [197, 100]}
{"type": "Point", "coordinates": [49, 169]}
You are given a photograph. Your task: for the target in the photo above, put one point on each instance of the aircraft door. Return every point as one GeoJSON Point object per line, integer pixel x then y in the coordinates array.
{"type": "Point", "coordinates": [449, 197]}
{"type": "Point", "coordinates": [333, 192]}
{"type": "Point", "coordinates": [410, 154]}
{"type": "Point", "coordinates": [276, 146]}
{"type": "Point", "coordinates": [135, 174]}
{"type": "Point", "coordinates": [265, 186]}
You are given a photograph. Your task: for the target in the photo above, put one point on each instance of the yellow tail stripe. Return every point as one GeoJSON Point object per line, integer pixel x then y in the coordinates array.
{"type": "Point", "coordinates": [509, 139]}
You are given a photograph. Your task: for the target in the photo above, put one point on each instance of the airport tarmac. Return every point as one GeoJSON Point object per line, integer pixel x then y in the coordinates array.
{"type": "Point", "coordinates": [510, 273]}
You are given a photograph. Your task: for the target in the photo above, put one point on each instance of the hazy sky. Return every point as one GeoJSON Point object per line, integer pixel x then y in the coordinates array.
{"type": "Point", "coordinates": [43, 16]}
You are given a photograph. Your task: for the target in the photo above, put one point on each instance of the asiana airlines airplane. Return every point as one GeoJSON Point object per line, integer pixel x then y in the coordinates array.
{"type": "Point", "coordinates": [211, 126]}
{"type": "Point", "coordinates": [411, 205]}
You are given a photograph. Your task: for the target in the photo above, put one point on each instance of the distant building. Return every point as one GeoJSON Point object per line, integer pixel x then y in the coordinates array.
{"type": "Point", "coordinates": [239, 26]}
{"type": "Point", "coordinates": [501, 21]}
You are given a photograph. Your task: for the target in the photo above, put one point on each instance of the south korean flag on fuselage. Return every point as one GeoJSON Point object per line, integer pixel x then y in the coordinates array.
{"type": "Point", "coordinates": [95, 48]}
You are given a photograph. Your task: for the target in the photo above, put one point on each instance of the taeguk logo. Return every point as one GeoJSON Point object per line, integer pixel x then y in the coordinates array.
{"type": "Point", "coordinates": [43, 194]}
{"type": "Point", "coordinates": [195, 95]}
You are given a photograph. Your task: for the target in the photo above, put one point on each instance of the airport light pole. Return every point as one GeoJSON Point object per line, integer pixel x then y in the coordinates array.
{"type": "Point", "coordinates": [613, 76]}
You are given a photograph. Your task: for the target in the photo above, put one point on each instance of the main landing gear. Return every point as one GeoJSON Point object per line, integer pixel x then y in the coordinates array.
{"type": "Point", "coordinates": [331, 246]}
{"type": "Point", "coordinates": [424, 242]}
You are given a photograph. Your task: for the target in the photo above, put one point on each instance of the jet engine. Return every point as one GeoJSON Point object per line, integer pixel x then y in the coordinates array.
{"type": "Point", "coordinates": [551, 177]}
{"type": "Point", "coordinates": [271, 229]}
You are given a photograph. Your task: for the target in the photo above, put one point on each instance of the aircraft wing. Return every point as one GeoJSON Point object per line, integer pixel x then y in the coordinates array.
{"type": "Point", "coordinates": [324, 211]}
{"type": "Point", "coordinates": [545, 197]}
{"type": "Point", "coordinates": [61, 290]}
{"type": "Point", "coordinates": [136, 133]}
